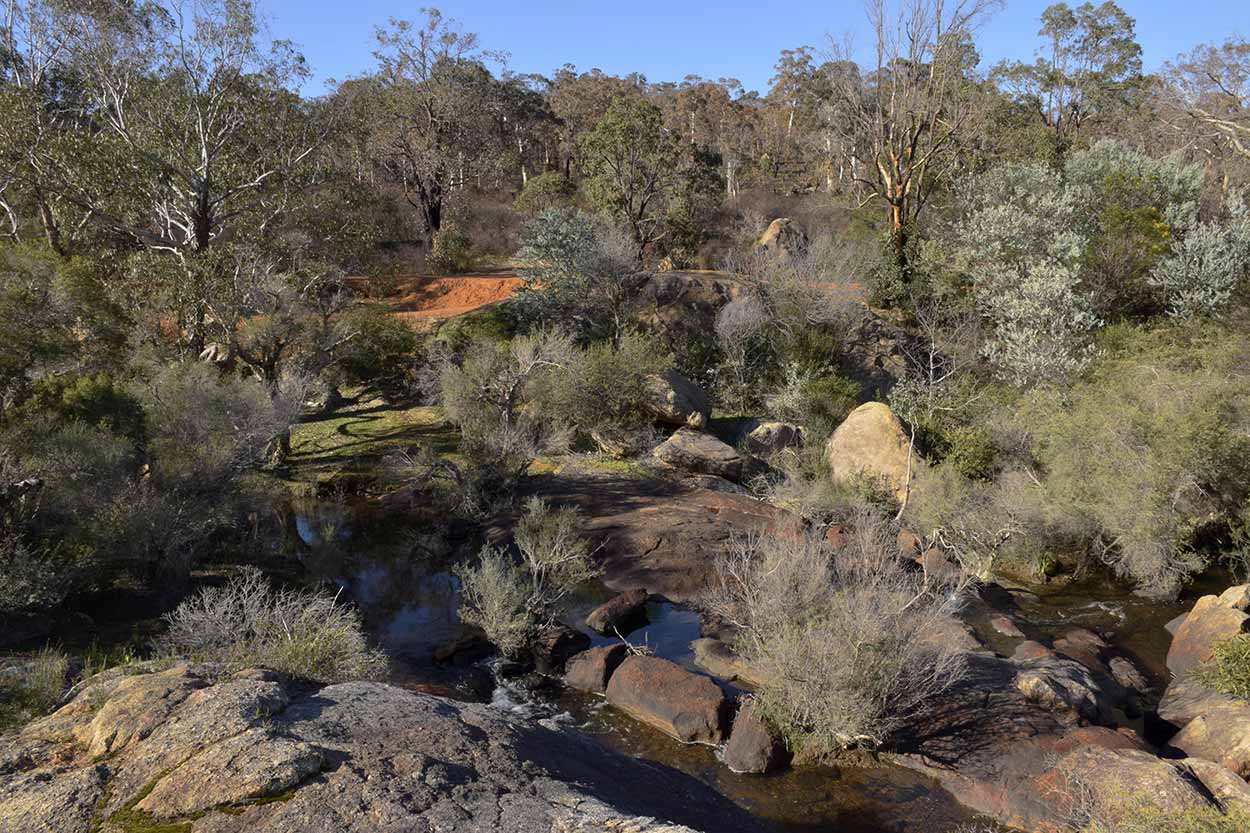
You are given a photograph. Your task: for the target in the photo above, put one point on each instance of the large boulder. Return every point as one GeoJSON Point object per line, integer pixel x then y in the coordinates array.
{"type": "Point", "coordinates": [657, 533]}
{"type": "Point", "coordinates": [255, 754]}
{"type": "Point", "coordinates": [784, 238]}
{"type": "Point", "coordinates": [701, 453]}
{"type": "Point", "coordinates": [675, 400]}
{"type": "Point", "coordinates": [1211, 621]}
{"type": "Point", "coordinates": [617, 611]}
{"type": "Point", "coordinates": [871, 443]}
{"type": "Point", "coordinates": [1221, 735]}
{"type": "Point", "coordinates": [680, 703]}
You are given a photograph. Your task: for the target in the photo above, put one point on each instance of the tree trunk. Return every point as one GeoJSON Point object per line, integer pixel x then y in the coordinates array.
{"type": "Point", "coordinates": [51, 230]}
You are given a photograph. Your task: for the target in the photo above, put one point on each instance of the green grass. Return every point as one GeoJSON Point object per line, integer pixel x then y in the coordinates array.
{"type": "Point", "coordinates": [350, 442]}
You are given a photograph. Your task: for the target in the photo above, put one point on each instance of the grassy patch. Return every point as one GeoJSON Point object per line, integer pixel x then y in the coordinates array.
{"type": "Point", "coordinates": [32, 689]}
{"type": "Point", "coordinates": [348, 443]}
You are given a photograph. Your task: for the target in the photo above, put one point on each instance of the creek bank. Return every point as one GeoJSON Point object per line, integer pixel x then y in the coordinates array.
{"type": "Point", "coordinates": [292, 758]}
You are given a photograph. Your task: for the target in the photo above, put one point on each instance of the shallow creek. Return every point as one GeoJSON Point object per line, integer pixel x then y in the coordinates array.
{"type": "Point", "coordinates": [410, 606]}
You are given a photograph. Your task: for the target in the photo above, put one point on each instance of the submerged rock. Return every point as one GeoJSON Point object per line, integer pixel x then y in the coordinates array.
{"type": "Point", "coordinates": [350, 758]}
{"type": "Point", "coordinates": [680, 703]}
{"type": "Point", "coordinates": [752, 747]}
{"type": "Point", "coordinates": [617, 611]}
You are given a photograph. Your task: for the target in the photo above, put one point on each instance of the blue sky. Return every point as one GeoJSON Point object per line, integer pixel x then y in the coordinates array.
{"type": "Point", "coordinates": [713, 38]}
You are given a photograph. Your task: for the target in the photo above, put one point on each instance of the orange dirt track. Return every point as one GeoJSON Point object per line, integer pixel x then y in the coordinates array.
{"type": "Point", "coordinates": [430, 297]}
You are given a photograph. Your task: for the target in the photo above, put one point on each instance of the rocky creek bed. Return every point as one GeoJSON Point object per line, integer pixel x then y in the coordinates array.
{"type": "Point", "coordinates": [1082, 684]}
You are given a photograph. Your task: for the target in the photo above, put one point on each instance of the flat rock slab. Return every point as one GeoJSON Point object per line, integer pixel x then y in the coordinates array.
{"type": "Point", "coordinates": [350, 758]}
{"type": "Point", "coordinates": [680, 703]}
{"type": "Point", "coordinates": [657, 534]}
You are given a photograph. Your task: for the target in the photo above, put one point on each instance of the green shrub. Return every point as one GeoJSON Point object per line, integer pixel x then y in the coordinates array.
{"type": "Point", "coordinates": [245, 623]}
{"type": "Point", "coordinates": [843, 640]}
{"type": "Point", "coordinates": [96, 399]}
{"type": "Point", "coordinates": [381, 349]}
{"type": "Point", "coordinates": [602, 392]}
{"type": "Point", "coordinates": [817, 403]}
{"type": "Point", "coordinates": [550, 189]}
{"type": "Point", "coordinates": [494, 598]}
{"type": "Point", "coordinates": [1148, 446]}
{"type": "Point", "coordinates": [1228, 670]}
{"type": "Point", "coordinates": [510, 602]}
{"type": "Point", "coordinates": [972, 451]}
{"type": "Point", "coordinates": [451, 252]}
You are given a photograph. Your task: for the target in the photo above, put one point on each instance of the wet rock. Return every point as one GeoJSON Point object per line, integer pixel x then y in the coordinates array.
{"type": "Point", "coordinates": [1124, 672]}
{"type": "Point", "coordinates": [555, 646]}
{"type": "Point", "coordinates": [591, 669]}
{"type": "Point", "coordinates": [1003, 625]}
{"type": "Point", "coordinates": [784, 238]}
{"type": "Point", "coordinates": [1210, 622]}
{"type": "Point", "coordinates": [255, 764]}
{"type": "Point", "coordinates": [752, 746]}
{"type": "Point", "coordinates": [685, 705]}
{"type": "Point", "coordinates": [615, 613]}
{"type": "Point", "coordinates": [340, 759]}
{"type": "Point", "coordinates": [1028, 649]}
{"type": "Point", "coordinates": [719, 660]}
{"type": "Point", "coordinates": [770, 438]}
{"type": "Point", "coordinates": [871, 443]}
{"type": "Point", "coordinates": [675, 400]}
{"type": "Point", "coordinates": [702, 453]}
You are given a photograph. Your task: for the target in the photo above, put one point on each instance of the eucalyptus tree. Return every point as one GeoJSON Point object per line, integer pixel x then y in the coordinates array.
{"type": "Point", "coordinates": [900, 120]}
{"type": "Point", "coordinates": [437, 111]}
{"type": "Point", "coordinates": [1211, 91]}
{"type": "Point", "coordinates": [1089, 67]}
